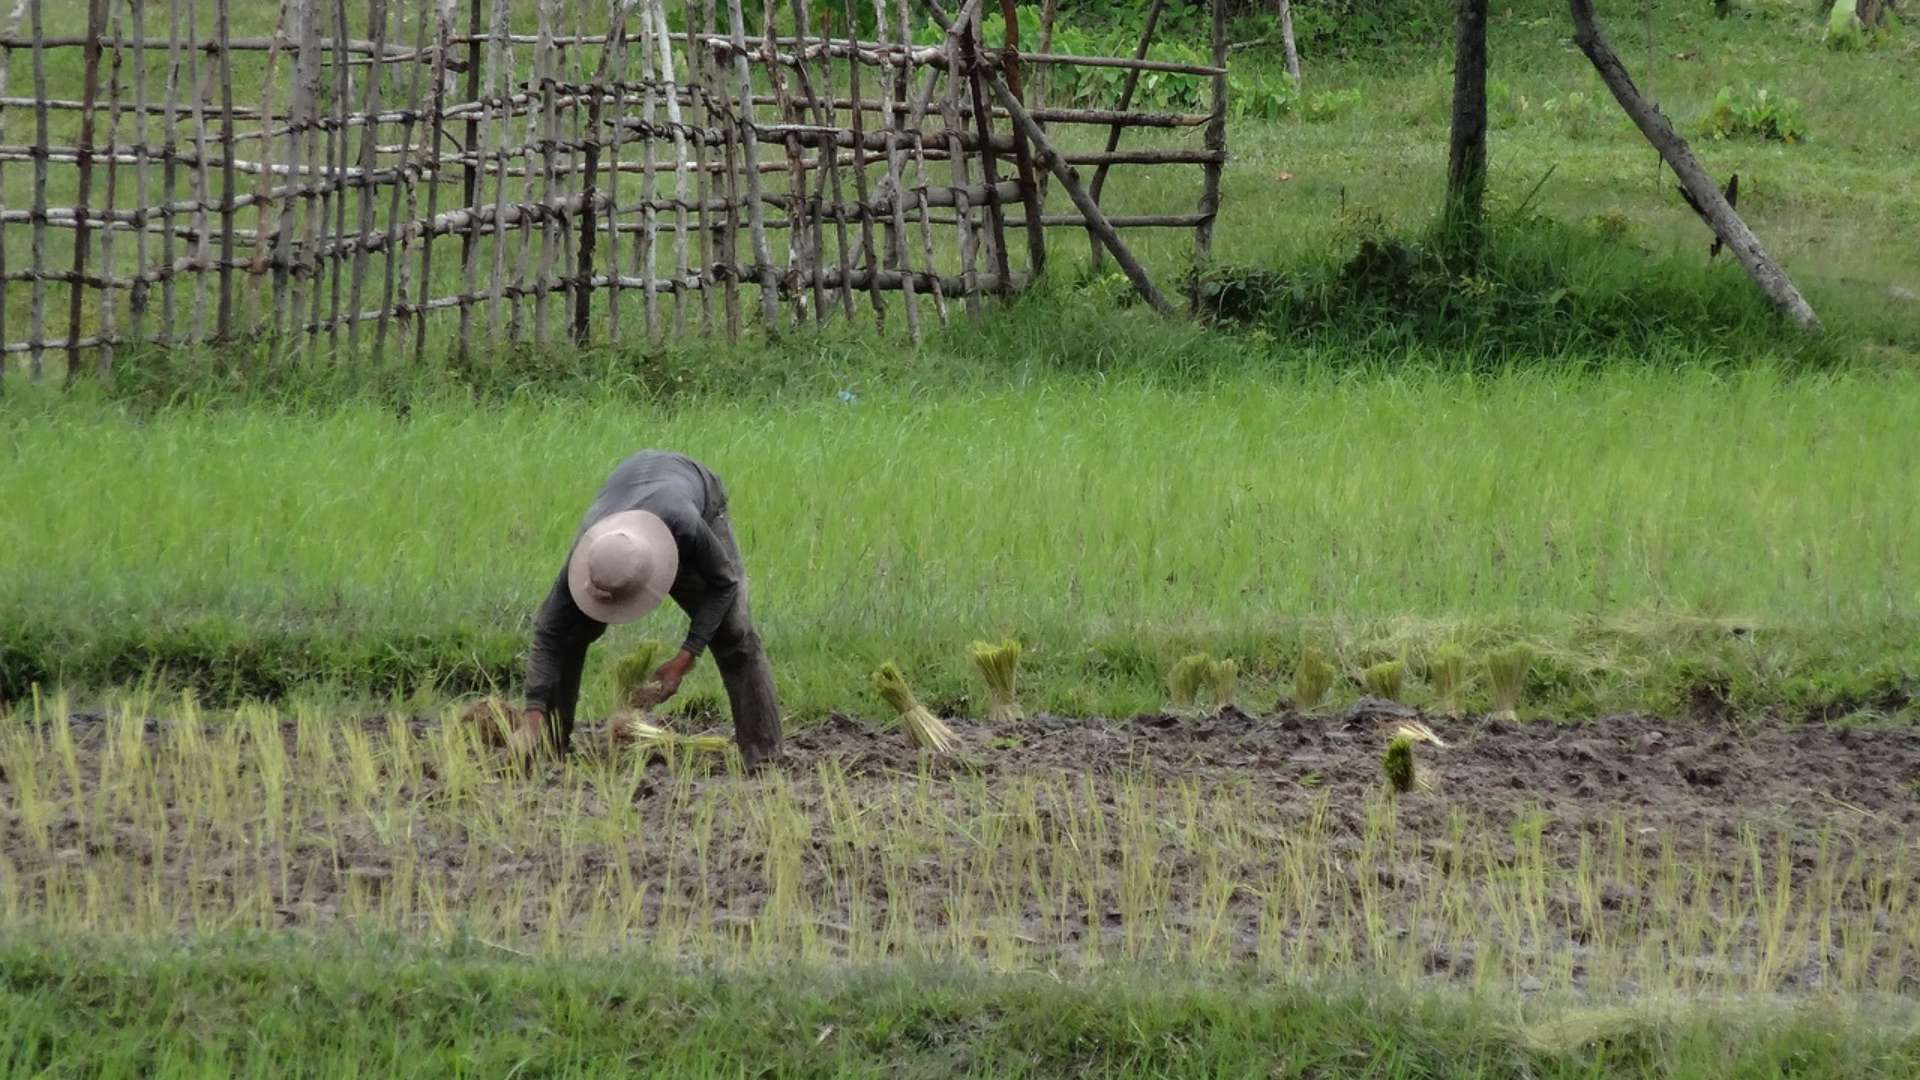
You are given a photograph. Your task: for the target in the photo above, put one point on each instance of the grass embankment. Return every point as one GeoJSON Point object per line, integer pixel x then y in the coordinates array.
{"type": "Point", "coordinates": [246, 1009]}
{"type": "Point", "coordinates": [1647, 530]}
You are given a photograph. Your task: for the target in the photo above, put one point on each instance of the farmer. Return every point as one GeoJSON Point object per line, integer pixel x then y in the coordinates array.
{"type": "Point", "coordinates": [658, 528]}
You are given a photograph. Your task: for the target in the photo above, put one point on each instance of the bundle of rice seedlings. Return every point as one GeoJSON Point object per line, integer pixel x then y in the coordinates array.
{"type": "Point", "coordinates": [1185, 678]}
{"type": "Point", "coordinates": [1418, 732]}
{"type": "Point", "coordinates": [633, 675]}
{"type": "Point", "coordinates": [999, 665]}
{"type": "Point", "coordinates": [1397, 763]}
{"type": "Point", "coordinates": [927, 730]}
{"type": "Point", "coordinates": [1384, 679]}
{"type": "Point", "coordinates": [492, 720]}
{"type": "Point", "coordinates": [1312, 679]}
{"type": "Point", "coordinates": [1223, 682]}
{"type": "Point", "coordinates": [1448, 672]}
{"type": "Point", "coordinates": [1507, 672]}
{"type": "Point", "coordinates": [628, 731]}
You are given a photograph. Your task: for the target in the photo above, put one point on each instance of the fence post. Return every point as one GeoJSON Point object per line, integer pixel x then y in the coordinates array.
{"type": "Point", "coordinates": [1216, 142]}
{"type": "Point", "coordinates": [76, 289]}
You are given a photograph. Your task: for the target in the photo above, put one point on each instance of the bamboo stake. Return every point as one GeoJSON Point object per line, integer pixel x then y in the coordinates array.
{"type": "Point", "coordinates": [333, 196]}
{"type": "Point", "coordinates": [137, 299]}
{"type": "Point", "coordinates": [897, 236]}
{"type": "Point", "coordinates": [802, 249]}
{"type": "Point", "coordinates": [224, 321]}
{"type": "Point", "coordinates": [36, 358]}
{"type": "Point", "coordinates": [199, 86]}
{"type": "Point", "coordinates": [643, 253]}
{"type": "Point", "coordinates": [825, 118]}
{"type": "Point", "coordinates": [109, 304]}
{"type": "Point", "coordinates": [913, 123]}
{"type": "Point", "coordinates": [1031, 194]}
{"type": "Point", "coordinates": [435, 136]}
{"type": "Point", "coordinates": [396, 263]}
{"type": "Point", "coordinates": [6, 58]}
{"type": "Point", "coordinates": [697, 82]}
{"type": "Point", "coordinates": [583, 276]}
{"type": "Point", "coordinates": [756, 217]}
{"type": "Point", "coordinates": [369, 139]}
{"type": "Point", "coordinates": [869, 256]}
{"type": "Point", "coordinates": [263, 186]}
{"type": "Point", "coordinates": [957, 160]}
{"type": "Point", "coordinates": [469, 178]}
{"type": "Point", "coordinates": [545, 72]}
{"type": "Point", "coordinates": [1216, 142]}
{"type": "Point", "coordinates": [76, 292]}
{"type": "Point", "coordinates": [499, 77]}
{"type": "Point", "coordinates": [680, 159]}
{"type": "Point", "coordinates": [613, 61]}
{"type": "Point", "coordinates": [1126, 102]}
{"type": "Point", "coordinates": [971, 46]}
{"type": "Point", "coordinates": [731, 223]}
{"type": "Point", "coordinates": [314, 219]}
{"type": "Point", "coordinates": [289, 287]}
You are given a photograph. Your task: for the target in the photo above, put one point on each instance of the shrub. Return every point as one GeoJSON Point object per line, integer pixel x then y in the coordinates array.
{"type": "Point", "coordinates": [1756, 115]}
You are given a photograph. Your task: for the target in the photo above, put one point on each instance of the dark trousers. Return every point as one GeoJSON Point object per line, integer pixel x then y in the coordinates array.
{"type": "Point", "coordinates": [744, 667]}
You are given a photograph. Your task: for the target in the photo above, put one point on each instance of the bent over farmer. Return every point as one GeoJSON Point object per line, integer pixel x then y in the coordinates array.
{"type": "Point", "coordinates": [658, 528]}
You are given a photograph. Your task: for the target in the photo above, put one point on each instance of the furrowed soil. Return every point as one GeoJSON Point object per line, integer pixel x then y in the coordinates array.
{"type": "Point", "coordinates": [1619, 853]}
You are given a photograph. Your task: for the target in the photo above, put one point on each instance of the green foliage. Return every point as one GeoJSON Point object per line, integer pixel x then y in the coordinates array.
{"type": "Point", "coordinates": [1757, 114]}
{"type": "Point", "coordinates": [1328, 105]}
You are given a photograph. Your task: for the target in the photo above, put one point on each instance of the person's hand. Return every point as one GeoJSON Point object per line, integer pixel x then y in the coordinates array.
{"type": "Point", "coordinates": [528, 734]}
{"type": "Point", "coordinates": [666, 681]}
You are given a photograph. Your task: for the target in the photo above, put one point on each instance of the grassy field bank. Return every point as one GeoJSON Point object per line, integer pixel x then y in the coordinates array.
{"type": "Point", "coordinates": [250, 1008]}
{"type": "Point", "coordinates": [1646, 529]}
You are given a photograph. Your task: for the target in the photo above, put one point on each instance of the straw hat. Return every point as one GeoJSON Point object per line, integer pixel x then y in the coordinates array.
{"type": "Point", "coordinates": [622, 566]}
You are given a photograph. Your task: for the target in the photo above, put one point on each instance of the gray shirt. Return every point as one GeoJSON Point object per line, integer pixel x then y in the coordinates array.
{"type": "Point", "coordinates": [688, 497]}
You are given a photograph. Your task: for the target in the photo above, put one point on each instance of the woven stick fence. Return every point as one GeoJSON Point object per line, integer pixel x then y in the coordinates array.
{"type": "Point", "coordinates": [569, 171]}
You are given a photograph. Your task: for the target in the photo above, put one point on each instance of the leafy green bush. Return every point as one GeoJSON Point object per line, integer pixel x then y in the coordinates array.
{"type": "Point", "coordinates": [1333, 104]}
{"type": "Point", "coordinates": [1756, 115]}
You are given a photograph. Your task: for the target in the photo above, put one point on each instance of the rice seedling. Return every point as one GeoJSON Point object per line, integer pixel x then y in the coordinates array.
{"type": "Point", "coordinates": [1385, 679]}
{"type": "Point", "coordinates": [1447, 671]}
{"type": "Point", "coordinates": [627, 730]}
{"type": "Point", "coordinates": [1507, 674]}
{"type": "Point", "coordinates": [633, 675]}
{"type": "Point", "coordinates": [1223, 682]}
{"type": "Point", "coordinates": [999, 665]}
{"type": "Point", "coordinates": [1397, 763]}
{"type": "Point", "coordinates": [926, 730]}
{"type": "Point", "coordinates": [1185, 679]}
{"type": "Point", "coordinates": [1312, 678]}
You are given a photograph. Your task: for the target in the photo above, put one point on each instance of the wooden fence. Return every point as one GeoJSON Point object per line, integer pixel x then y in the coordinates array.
{"type": "Point", "coordinates": [575, 172]}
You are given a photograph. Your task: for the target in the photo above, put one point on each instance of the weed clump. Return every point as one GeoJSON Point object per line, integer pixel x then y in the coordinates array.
{"type": "Point", "coordinates": [1447, 670]}
{"type": "Point", "coordinates": [1185, 680]}
{"type": "Point", "coordinates": [633, 675]}
{"type": "Point", "coordinates": [926, 730]}
{"type": "Point", "coordinates": [1507, 672]}
{"type": "Point", "coordinates": [1385, 679]}
{"type": "Point", "coordinates": [999, 665]}
{"type": "Point", "coordinates": [1311, 679]}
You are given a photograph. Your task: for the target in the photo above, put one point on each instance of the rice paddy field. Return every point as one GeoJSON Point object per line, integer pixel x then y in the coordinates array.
{"type": "Point", "coordinates": [1556, 718]}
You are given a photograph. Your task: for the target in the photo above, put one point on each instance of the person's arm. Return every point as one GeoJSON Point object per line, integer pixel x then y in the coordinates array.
{"type": "Point", "coordinates": [561, 635]}
{"type": "Point", "coordinates": [703, 553]}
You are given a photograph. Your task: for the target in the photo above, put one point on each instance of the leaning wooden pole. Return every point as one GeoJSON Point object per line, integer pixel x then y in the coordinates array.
{"type": "Point", "coordinates": [1127, 89]}
{"type": "Point", "coordinates": [1097, 223]}
{"type": "Point", "coordinates": [1766, 274]}
{"type": "Point", "coordinates": [1216, 139]}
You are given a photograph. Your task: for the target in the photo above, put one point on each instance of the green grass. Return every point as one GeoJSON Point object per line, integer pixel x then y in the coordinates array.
{"type": "Point", "coordinates": [1645, 528]}
{"type": "Point", "coordinates": [251, 1008]}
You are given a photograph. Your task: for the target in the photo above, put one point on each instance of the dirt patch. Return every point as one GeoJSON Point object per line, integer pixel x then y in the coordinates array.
{"type": "Point", "coordinates": [1607, 849]}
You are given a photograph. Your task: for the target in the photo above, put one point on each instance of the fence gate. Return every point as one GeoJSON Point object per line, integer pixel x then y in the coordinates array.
{"type": "Point", "coordinates": [196, 171]}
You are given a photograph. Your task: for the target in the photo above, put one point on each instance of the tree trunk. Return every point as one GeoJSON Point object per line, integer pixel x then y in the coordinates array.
{"type": "Point", "coordinates": [1766, 274]}
{"type": "Point", "coordinates": [1285, 11]}
{"type": "Point", "coordinates": [1467, 159]}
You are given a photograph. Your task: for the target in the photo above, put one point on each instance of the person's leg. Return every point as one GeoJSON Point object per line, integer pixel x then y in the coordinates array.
{"type": "Point", "coordinates": [745, 669]}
